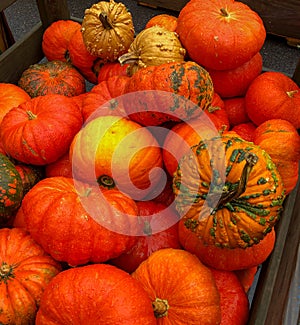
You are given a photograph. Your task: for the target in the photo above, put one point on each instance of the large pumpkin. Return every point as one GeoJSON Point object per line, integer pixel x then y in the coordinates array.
{"type": "Point", "coordinates": [220, 34]}
{"type": "Point", "coordinates": [76, 223]}
{"type": "Point", "coordinates": [107, 29]}
{"type": "Point", "coordinates": [95, 294]}
{"type": "Point", "coordinates": [168, 92]}
{"type": "Point", "coordinates": [53, 77]}
{"type": "Point", "coordinates": [25, 271]}
{"type": "Point", "coordinates": [228, 192]}
{"type": "Point", "coordinates": [116, 147]}
{"type": "Point", "coordinates": [181, 288]}
{"type": "Point", "coordinates": [40, 130]}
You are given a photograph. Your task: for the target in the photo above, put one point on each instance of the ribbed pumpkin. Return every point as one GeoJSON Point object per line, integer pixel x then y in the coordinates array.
{"type": "Point", "coordinates": [153, 46]}
{"type": "Point", "coordinates": [25, 272]}
{"type": "Point", "coordinates": [228, 192]}
{"type": "Point", "coordinates": [76, 223]}
{"type": "Point", "coordinates": [189, 81]}
{"type": "Point", "coordinates": [53, 77]}
{"type": "Point", "coordinates": [107, 29]}
{"type": "Point", "coordinates": [181, 288]}
{"type": "Point", "coordinates": [167, 21]}
{"type": "Point", "coordinates": [102, 294]}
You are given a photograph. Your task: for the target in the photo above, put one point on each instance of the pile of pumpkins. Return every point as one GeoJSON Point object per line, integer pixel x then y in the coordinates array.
{"type": "Point", "coordinates": [152, 197]}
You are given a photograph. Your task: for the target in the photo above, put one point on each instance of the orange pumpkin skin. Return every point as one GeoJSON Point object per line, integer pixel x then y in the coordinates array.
{"type": "Point", "coordinates": [164, 20]}
{"type": "Point", "coordinates": [53, 77]}
{"type": "Point", "coordinates": [56, 39]}
{"type": "Point", "coordinates": [110, 69]}
{"type": "Point", "coordinates": [190, 83]}
{"type": "Point", "coordinates": [121, 149]}
{"type": "Point", "coordinates": [26, 270]}
{"type": "Point", "coordinates": [236, 110]}
{"type": "Point", "coordinates": [246, 277]}
{"type": "Point", "coordinates": [233, 299]}
{"type": "Point", "coordinates": [11, 96]}
{"type": "Point", "coordinates": [224, 258]}
{"type": "Point", "coordinates": [70, 222]}
{"type": "Point", "coordinates": [273, 95]}
{"type": "Point", "coordinates": [103, 294]}
{"type": "Point", "coordinates": [60, 167]}
{"type": "Point", "coordinates": [282, 142]}
{"type": "Point", "coordinates": [220, 34]}
{"type": "Point", "coordinates": [150, 242]}
{"type": "Point", "coordinates": [245, 130]}
{"type": "Point", "coordinates": [25, 131]}
{"type": "Point", "coordinates": [190, 296]}
{"type": "Point", "coordinates": [235, 82]}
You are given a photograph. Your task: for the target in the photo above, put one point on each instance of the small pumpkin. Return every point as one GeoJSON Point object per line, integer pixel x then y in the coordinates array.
{"type": "Point", "coordinates": [103, 294]}
{"type": "Point", "coordinates": [52, 77]}
{"type": "Point", "coordinates": [26, 134]}
{"type": "Point", "coordinates": [228, 192]}
{"type": "Point", "coordinates": [247, 276]}
{"type": "Point", "coordinates": [236, 110]}
{"type": "Point", "coordinates": [25, 272]}
{"type": "Point", "coordinates": [153, 46]}
{"type": "Point", "coordinates": [110, 69]}
{"type": "Point", "coordinates": [107, 29]}
{"type": "Point", "coordinates": [167, 21]}
{"type": "Point", "coordinates": [180, 91]}
{"type": "Point", "coordinates": [245, 130]}
{"type": "Point", "coordinates": [60, 167]}
{"type": "Point", "coordinates": [181, 288]}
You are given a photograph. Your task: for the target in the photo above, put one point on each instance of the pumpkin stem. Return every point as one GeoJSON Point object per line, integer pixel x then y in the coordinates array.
{"type": "Point", "coordinates": [106, 22]}
{"type": "Point", "coordinates": [231, 194]}
{"type": "Point", "coordinates": [6, 272]}
{"type": "Point", "coordinates": [224, 12]}
{"type": "Point", "coordinates": [30, 115]}
{"type": "Point", "coordinates": [106, 181]}
{"type": "Point", "coordinates": [160, 307]}
{"type": "Point", "coordinates": [291, 93]}
{"type": "Point", "coordinates": [128, 58]}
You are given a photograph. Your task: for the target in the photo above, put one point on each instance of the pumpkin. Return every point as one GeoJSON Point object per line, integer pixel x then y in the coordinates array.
{"type": "Point", "coordinates": [235, 82]}
{"type": "Point", "coordinates": [247, 277]}
{"type": "Point", "coordinates": [56, 39]}
{"type": "Point", "coordinates": [104, 98]}
{"type": "Point", "coordinates": [160, 231]}
{"type": "Point", "coordinates": [181, 288]}
{"type": "Point", "coordinates": [282, 142]}
{"type": "Point", "coordinates": [40, 130]}
{"type": "Point", "coordinates": [116, 147]}
{"type": "Point", "coordinates": [167, 21]}
{"type": "Point", "coordinates": [227, 259]}
{"type": "Point", "coordinates": [228, 192]}
{"type": "Point", "coordinates": [103, 294]}
{"type": "Point", "coordinates": [189, 81]}
{"type": "Point", "coordinates": [60, 167]}
{"type": "Point", "coordinates": [273, 95]}
{"type": "Point", "coordinates": [107, 29]}
{"type": "Point", "coordinates": [12, 190]}
{"type": "Point", "coordinates": [25, 272]}
{"type": "Point", "coordinates": [153, 46]}
{"type": "Point", "coordinates": [76, 223]}
{"type": "Point", "coordinates": [236, 110]}
{"type": "Point", "coordinates": [11, 96]}
{"type": "Point", "coordinates": [110, 69]}
{"type": "Point", "coordinates": [220, 34]}
{"type": "Point", "coordinates": [245, 130]}
{"type": "Point", "coordinates": [53, 77]}
{"type": "Point", "coordinates": [30, 175]}
{"type": "Point", "coordinates": [233, 299]}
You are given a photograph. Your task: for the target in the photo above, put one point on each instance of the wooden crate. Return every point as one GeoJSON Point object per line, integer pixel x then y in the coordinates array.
{"type": "Point", "coordinates": [272, 291]}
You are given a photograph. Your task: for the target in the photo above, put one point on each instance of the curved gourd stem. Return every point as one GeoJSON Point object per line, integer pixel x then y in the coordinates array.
{"type": "Point", "coordinates": [106, 22]}
{"type": "Point", "coordinates": [128, 58]}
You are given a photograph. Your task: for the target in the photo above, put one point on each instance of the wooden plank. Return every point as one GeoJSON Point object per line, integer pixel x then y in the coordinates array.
{"type": "Point", "coordinates": [21, 55]}
{"type": "Point", "coordinates": [52, 10]}
{"type": "Point", "coordinates": [166, 4]}
{"type": "Point", "coordinates": [5, 4]}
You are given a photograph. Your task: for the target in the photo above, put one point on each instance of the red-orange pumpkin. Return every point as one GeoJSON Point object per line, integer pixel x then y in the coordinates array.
{"type": "Point", "coordinates": [76, 223]}
{"type": "Point", "coordinates": [95, 294]}
{"type": "Point", "coordinates": [110, 69]}
{"type": "Point", "coordinates": [167, 21]}
{"type": "Point", "coordinates": [40, 130]}
{"type": "Point", "coordinates": [245, 130]}
{"type": "Point", "coordinates": [25, 271]}
{"type": "Point", "coordinates": [220, 34]}
{"type": "Point", "coordinates": [236, 110]}
{"type": "Point", "coordinates": [60, 167]}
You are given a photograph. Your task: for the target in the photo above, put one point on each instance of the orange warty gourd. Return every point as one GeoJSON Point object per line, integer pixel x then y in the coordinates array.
{"type": "Point", "coordinates": [103, 294]}
{"type": "Point", "coordinates": [25, 271]}
{"type": "Point", "coordinates": [228, 192]}
{"type": "Point", "coordinates": [182, 290]}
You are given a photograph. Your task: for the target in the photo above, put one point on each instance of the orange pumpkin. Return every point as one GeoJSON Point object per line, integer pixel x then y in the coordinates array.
{"type": "Point", "coordinates": [182, 290]}
{"type": "Point", "coordinates": [164, 20]}
{"type": "Point", "coordinates": [236, 110]}
{"type": "Point", "coordinates": [245, 130]}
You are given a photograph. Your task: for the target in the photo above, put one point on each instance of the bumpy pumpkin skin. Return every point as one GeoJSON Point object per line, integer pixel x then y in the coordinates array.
{"type": "Point", "coordinates": [103, 294]}
{"type": "Point", "coordinates": [53, 77]}
{"type": "Point", "coordinates": [236, 212]}
{"type": "Point", "coordinates": [25, 271]}
{"type": "Point", "coordinates": [153, 46]}
{"type": "Point", "coordinates": [107, 29]}
{"type": "Point", "coordinates": [182, 289]}
{"type": "Point", "coordinates": [61, 217]}
{"type": "Point", "coordinates": [190, 82]}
